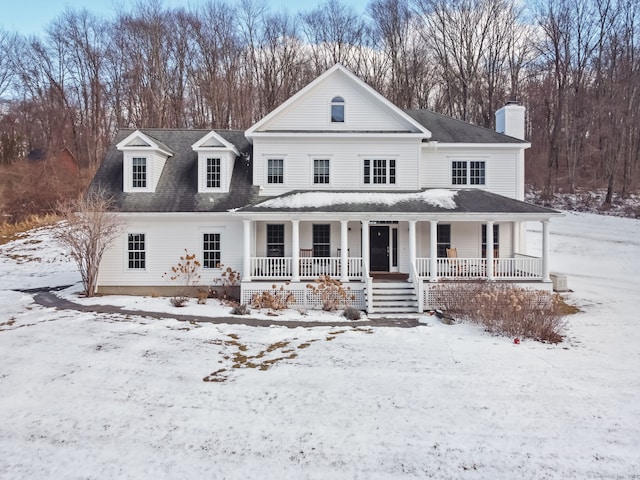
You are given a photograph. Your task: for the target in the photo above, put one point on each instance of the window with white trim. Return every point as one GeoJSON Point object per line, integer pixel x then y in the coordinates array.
{"type": "Point", "coordinates": [139, 172]}
{"type": "Point", "coordinates": [321, 171]}
{"type": "Point", "coordinates": [275, 170]}
{"type": "Point", "coordinates": [337, 110]}
{"type": "Point", "coordinates": [443, 240]}
{"type": "Point", "coordinates": [275, 240]}
{"type": "Point", "coordinates": [211, 250]}
{"type": "Point", "coordinates": [379, 171]}
{"type": "Point", "coordinates": [214, 171]}
{"type": "Point", "coordinates": [321, 240]}
{"type": "Point", "coordinates": [496, 240]}
{"type": "Point", "coordinates": [468, 172]}
{"type": "Point", "coordinates": [136, 250]}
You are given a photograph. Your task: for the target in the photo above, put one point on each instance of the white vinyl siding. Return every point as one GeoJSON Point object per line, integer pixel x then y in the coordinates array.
{"type": "Point", "coordinates": [346, 162]}
{"type": "Point", "coordinates": [166, 237]}
{"type": "Point", "coordinates": [501, 167]}
{"type": "Point", "coordinates": [362, 113]}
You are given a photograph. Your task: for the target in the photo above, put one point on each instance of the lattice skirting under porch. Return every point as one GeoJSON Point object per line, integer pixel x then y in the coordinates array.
{"type": "Point", "coordinates": [304, 297]}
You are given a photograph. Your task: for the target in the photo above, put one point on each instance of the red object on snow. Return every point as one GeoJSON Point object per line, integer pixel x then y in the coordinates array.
{"type": "Point", "coordinates": [516, 341]}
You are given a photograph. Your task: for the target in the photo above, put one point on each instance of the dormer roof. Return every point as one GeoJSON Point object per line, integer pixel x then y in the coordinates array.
{"type": "Point", "coordinates": [214, 141]}
{"type": "Point", "coordinates": [141, 141]}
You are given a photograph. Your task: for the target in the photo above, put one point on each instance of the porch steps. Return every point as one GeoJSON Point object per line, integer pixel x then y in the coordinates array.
{"type": "Point", "coordinates": [393, 297]}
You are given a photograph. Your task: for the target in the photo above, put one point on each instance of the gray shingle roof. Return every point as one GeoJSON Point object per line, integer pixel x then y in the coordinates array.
{"type": "Point", "coordinates": [177, 189]}
{"type": "Point", "coordinates": [466, 200]}
{"type": "Point", "coordinates": [449, 130]}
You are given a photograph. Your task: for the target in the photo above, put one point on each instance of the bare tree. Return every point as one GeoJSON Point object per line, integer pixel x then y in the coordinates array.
{"type": "Point", "coordinates": [7, 43]}
{"type": "Point", "coordinates": [87, 230]}
{"type": "Point", "coordinates": [334, 33]}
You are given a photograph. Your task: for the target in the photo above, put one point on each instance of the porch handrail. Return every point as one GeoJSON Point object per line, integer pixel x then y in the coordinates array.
{"type": "Point", "coordinates": [423, 267]}
{"type": "Point", "coordinates": [520, 268]}
{"type": "Point", "coordinates": [417, 286]}
{"type": "Point", "coordinates": [354, 267]}
{"type": "Point", "coordinates": [271, 267]}
{"type": "Point", "coordinates": [317, 266]}
{"type": "Point", "coordinates": [368, 286]}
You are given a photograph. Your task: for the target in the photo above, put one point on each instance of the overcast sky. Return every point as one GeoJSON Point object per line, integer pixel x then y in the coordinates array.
{"type": "Point", "coordinates": [33, 16]}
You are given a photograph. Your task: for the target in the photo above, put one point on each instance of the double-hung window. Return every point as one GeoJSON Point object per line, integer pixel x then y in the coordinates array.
{"type": "Point", "coordinates": [379, 171]}
{"type": "Point", "coordinates": [443, 239]}
{"type": "Point", "coordinates": [321, 171]}
{"type": "Point", "coordinates": [139, 172]}
{"type": "Point", "coordinates": [214, 170]}
{"type": "Point", "coordinates": [136, 250]}
{"type": "Point", "coordinates": [211, 250]}
{"type": "Point", "coordinates": [275, 240]}
{"type": "Point", "coordinates": [321, 240]}
{"type": "Point", "coordinates": [465, 172]}
{"type": "Point", "coordinates": [275, 170]}
{"type": "Point", "coordinates": [496, 241]}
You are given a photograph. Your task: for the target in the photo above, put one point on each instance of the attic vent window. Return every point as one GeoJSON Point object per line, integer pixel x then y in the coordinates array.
{"type": "Point", "coordinates": [337, 110]}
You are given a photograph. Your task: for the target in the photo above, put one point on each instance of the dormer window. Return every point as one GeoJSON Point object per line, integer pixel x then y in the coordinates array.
{"type": "Point", "coordinates": [139, 172]}
{"type": "Point", "coordinates": [213, 172]}
{"type": "Point", "coordinates": [143, 161]}
{"type": "Point", "coordinates": [337, 110]}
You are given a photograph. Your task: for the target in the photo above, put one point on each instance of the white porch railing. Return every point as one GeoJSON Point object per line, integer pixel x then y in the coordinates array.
{"type": "Point", "coordinates": [309, 267]}
{"type": "Point", "coordinates": [519, 268]}
{"type": "Point", "coordinates": [271, 267]}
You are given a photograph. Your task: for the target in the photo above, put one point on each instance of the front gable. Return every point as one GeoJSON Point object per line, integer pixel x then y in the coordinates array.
{"type": "Point", "coordinates": [365, 110]}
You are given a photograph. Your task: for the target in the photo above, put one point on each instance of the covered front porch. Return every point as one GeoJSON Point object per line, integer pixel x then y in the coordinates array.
{"type": "Point", "coordinates": [296, 250]}
{"type": "Point", "coordinates": [429, 236]}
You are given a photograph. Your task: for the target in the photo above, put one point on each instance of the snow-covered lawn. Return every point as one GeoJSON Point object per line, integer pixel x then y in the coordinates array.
{"type": "Point", "coordinates": [110, 396]}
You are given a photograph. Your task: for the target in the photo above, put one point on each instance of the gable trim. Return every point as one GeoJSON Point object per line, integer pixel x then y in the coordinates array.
{"type": "Point", "coordinates": [212, 135]}
{"type": "Point", "coordinates": [253, 130]}
{"type": "Point", "coordinates": [151, 144]}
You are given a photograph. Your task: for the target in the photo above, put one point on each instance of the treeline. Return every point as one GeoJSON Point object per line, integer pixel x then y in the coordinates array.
{"type": "Point", "coordinates": [575, 65]}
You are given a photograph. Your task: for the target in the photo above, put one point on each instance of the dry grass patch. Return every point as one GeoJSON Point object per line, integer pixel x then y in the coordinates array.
{"type": "Point", "coordinates": [11, 231]}
{"type": "Point", "coordinates": [505, 310]}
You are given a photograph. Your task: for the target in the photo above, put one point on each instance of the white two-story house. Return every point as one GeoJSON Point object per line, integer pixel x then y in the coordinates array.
{"type": "Point", "coordinates": [336, 181]}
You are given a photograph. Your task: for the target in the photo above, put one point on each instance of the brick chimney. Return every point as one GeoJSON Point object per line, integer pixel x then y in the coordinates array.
{"type": "Point", "coordinates": [510, 120]}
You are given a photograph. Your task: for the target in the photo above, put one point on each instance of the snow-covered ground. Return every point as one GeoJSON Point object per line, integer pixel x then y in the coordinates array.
{"type": "Point", "coordinates": [111, 396]}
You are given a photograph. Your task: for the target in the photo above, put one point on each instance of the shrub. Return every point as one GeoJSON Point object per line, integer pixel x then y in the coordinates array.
{"type": "Point", "coordinates": [228, 278]}
{"type": "Point", "coordinates": [331, 292]}
{"type": "Point", "coordinates": [274, 299]}
{"type": "Point", "coordinates": [505, 310]}
{"type": "Point", "coordinates": [240, 309]}
{"type": "Point", "coordinates": [351, 313]}
{"type": "Point", "coordinates": [186, 271]}
{"type": "Point", "coordinates": [179, 301]}
{"type": "Point", "coordinates": [202, 295]}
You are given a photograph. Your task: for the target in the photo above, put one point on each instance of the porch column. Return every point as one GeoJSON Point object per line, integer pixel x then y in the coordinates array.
{"type": "Point", "coordinates": [433, 251]}
{"type": "Point", "coordinates": [295, 246]}
{"type": "Point", "coordinates": [545, 251]}
{"type": "Point", "coordinates": [344, 251]}
{"type": "Point", "coordinates": [489, 248]}
{"type": "Point", "coordinates": [246, 259]}
{"type": "Point", "coordinates": [412, 248]}
{"type": "Point", "coordinates": [365, 248]}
